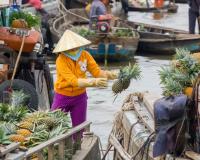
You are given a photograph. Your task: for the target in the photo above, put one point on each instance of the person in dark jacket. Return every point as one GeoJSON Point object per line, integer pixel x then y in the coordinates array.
{"type": "Point", "coordinates": [194, 8]}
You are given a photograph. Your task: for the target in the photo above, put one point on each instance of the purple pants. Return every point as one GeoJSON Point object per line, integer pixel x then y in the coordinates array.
{"type": "Point", "coordinates": [76, 105]}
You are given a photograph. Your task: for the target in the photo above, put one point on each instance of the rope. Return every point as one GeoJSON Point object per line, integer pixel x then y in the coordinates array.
{"type": "Point", "coordinates": [17, 61]}
{"type": "Point", "coordinates": [108, 149]}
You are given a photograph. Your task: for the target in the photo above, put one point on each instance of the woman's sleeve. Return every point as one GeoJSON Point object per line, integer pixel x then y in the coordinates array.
{"type": "Point", "coordinates": [66, 73]}
{"type": "Point", "coordinates": [92, 66]}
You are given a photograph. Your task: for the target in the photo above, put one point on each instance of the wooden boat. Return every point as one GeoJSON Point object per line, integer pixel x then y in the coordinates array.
{"type": "Point", "coordinates": [103, 47]}
{"type": "Point", "coordinates": [153, 39]}
{"type": "Point", "coordinates": [135, 6]}
{"type": "Point", "coordinates": [133, 126]}
{"type": "Point", "coordinates": [181, 1]}
{"type": "Point", "coordinates": [163, 40]}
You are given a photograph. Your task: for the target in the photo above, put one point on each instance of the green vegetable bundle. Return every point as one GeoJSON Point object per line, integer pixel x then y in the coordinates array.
{"type": "Point", "coordinates": [31, 19]}
{"type": "Point", "coordinates": [84, 31]}
{"type": "Point", "coordinates": [124, 32]}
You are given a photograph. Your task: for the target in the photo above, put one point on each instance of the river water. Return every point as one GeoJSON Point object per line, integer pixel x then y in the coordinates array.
{"type": "Point", "coordinates": [101, 108]}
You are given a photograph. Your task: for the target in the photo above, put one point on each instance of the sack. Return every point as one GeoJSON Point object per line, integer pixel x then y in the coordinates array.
{"type": "Point", "coordinates": [169, 114]}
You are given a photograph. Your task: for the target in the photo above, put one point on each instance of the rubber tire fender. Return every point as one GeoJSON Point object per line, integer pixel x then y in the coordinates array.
{"type": "Point", "coordinates": [26, 87]}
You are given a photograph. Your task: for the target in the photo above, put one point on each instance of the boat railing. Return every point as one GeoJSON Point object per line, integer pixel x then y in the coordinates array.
{"type": "Point", "coordinates": [61, 144]}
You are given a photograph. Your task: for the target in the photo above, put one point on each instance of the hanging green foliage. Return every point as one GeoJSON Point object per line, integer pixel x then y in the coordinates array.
{"type": "Point", "coordinates": [31, 19]}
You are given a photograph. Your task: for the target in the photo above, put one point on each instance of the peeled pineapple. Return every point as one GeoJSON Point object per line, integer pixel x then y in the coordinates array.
{"type": "Point", "coordinates": [16, 138]}
{"type": "Point", "coordinates": [24, 132]}
{"type": "Point", "coordinates": [126, 74]}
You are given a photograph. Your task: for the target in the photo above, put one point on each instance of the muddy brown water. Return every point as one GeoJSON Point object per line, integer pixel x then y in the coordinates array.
{"type": "Point", "coordinates": [101, 108]}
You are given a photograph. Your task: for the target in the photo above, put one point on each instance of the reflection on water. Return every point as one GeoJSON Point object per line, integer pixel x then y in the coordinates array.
{"type": "Point", "coordinates": [158, 15]}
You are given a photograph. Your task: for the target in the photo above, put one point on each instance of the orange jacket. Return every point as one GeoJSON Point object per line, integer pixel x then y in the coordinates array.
{"type": "Point", "coordinates": [68, 72]}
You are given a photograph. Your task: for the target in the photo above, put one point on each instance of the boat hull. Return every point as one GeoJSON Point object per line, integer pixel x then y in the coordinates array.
{"type": "Point", "coordinates": [167, 47]}
{"type": "Point", "coordinates": [181, 1]}
{"type": "Point", "coordinates": [127, 7]}
{"type": "Point", "coordinates": [163, 40]}
{"type": "Point", "coordinates": [170, 9]}
{"type": "Point", "coordinates": [118, 56]}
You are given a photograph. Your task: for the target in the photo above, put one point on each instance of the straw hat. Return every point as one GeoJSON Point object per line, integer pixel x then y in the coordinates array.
{"type": "Point", "coordinates": [70, 40]}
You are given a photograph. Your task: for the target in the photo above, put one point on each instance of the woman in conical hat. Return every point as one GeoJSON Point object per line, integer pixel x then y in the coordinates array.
{"type": "Point", "coordinates": [71, 65]}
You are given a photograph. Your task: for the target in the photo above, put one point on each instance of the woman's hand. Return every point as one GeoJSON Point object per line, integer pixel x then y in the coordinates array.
{"type": "Point", "coordinates": [109, 74]}
{"type": "Point", "coordinates": [101, 82]}
{"type": "Point", "coordinates": [92, 82]}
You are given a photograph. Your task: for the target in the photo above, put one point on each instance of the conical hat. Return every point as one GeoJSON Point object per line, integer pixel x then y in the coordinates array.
{"type": "Point", "coordinates": [70, 40]}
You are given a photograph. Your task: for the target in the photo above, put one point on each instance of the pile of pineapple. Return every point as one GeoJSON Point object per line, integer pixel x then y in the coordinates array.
{"type": "Point", "coordinates": [179, 77]}
{"type": "Point", "coordinates": [30, 128]}
{"type": "Point", "coordinates": [124, 78]}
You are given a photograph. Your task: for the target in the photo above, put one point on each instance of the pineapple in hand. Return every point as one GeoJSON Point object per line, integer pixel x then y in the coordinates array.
{"type": "Point", "coordinates": [125, 75]}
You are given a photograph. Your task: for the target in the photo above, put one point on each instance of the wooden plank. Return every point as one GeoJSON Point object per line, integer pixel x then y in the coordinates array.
{"type": "Point", "coordinates": [89, 149]}
{"type": "Point", "coordinates": [8, 148]}
{"type": "Point", "coordinates": [143, 114]}
{"type": "Point", "coordinates": [78, 141]}
{"type": "Point", "coordinates": [61, 150]}
{"type": "Point", "coordinates": [15, 156]}
{"type": "Point", "coordinates": [40, 156]}
{"type": "Point", "coordinates": [149, 99]}
{"type": "Point", "coordinates": [119, 148]}
{"type": "Point", "coordinates": [69, 145]}
{"type": "Point", "coordinates": [192, 155]}
{"type": "Point", "coordinates": [51, 152]}
{"type": "Point", "coordinates": [58, 138]}
{"type": "Point", "coordinates": [199, 99]}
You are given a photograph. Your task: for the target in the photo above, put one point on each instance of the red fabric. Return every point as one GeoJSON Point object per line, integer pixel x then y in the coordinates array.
{"type": "Point", "coordinates": [37, 4]}
{"type": "Point", "coordinates": [159, 3]}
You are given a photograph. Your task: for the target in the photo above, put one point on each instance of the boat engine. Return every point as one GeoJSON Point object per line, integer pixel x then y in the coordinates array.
{"type": "Point", "coordinates": [101, 23]}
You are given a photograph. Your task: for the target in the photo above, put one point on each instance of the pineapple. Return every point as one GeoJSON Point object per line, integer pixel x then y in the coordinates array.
{"type": "Point", "coordinates": [10, 113]}
{"type": "Point", "coordinates": [196, 56]}
{"type": "Point", "coordinates": [26, 125]}
{"type": "Point", "coordinates": [24, 132]}
{"type": "Point", "coordinates": [124, 78]}
{"type": "Point", "coordinates": [49, 122]}
{"type": "Point", "coordinates": [117, 86]}
{"type": "Point", "coordinates": [188, 91]}
{"type": "Point", "coordinates": [181, 74]}
{"type": "Point", "coordinates": [35, 116]}
{"type": "Point", "coordinates": [9, 128]}
{"type": "Point", "coordinates": [171, 88]}
{"type": "Point", "coordinates": [3, 137]}
{"type": "Point", "coordinates": [16, 138]}
{"type": "Point", "coordinates": [40, 128]}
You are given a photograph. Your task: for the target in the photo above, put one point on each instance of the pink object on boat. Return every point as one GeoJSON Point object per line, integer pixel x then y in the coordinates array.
{"type": "Point", "coordinates": [37, 4]}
